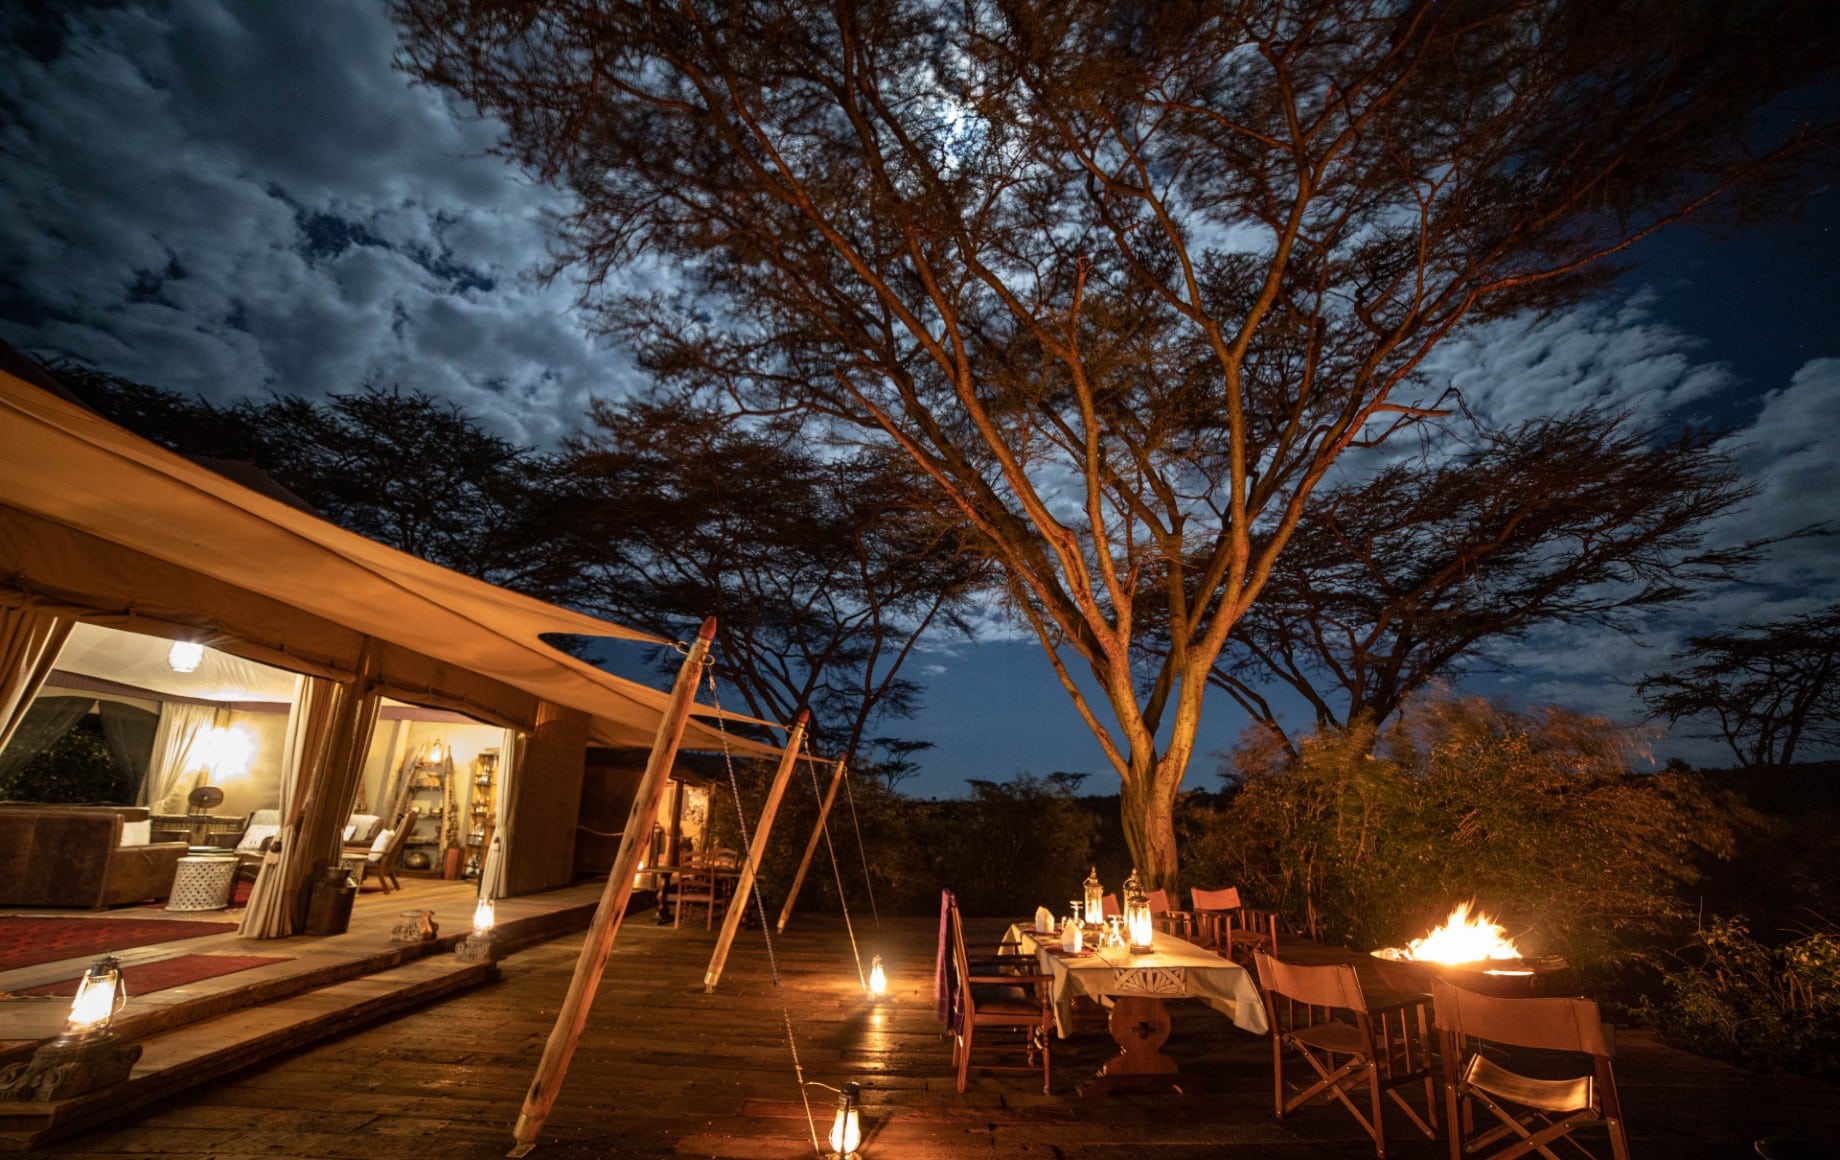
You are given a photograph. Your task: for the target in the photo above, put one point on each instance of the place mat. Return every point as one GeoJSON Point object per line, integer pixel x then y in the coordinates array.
{"type": "Point", "coordinates": [26, 942]}
{"type": "Point", "coordinates": [174, 972]}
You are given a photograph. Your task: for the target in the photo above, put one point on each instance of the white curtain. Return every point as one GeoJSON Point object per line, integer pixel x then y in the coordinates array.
{"type": "Point", "coordinates": [316, 707]}
{"type": "Point", "coordinates": [174, 742]}
{"type": "Point", "coordinates": [29, 645]}
{"type": "Point", "coordinates": [504, 796]}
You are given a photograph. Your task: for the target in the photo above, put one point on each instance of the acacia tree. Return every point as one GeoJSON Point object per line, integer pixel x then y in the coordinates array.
{"type": "Point", "coordinates": [1765, 690]}
{"type": "Point", "coordinates": [1122, 280]}
{"type": "Point", "coordinates": [1404, 576]}
{"type": "Point", "coordinates": [821, 573]}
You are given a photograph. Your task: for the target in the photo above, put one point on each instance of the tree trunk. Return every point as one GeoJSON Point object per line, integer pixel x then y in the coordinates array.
{"type": "Point", "coordinates": [1147, 810]}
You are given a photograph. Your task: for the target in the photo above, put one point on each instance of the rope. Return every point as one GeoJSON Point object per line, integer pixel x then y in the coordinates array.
{"type": "Point", "coordinates": [837, 873]}
{"type": "Point", "coordinates": [868, 882]}
{"type": "Point", "coordinates": [766, 932]}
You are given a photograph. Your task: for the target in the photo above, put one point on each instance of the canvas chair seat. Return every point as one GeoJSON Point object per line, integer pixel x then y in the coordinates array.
{"type": "Point", "coordinates": [1554, 1096]}
{"type": "Point", "coordinates": [1002, 999]}
{"type": "Point", "coordinates": [1341, 1038]}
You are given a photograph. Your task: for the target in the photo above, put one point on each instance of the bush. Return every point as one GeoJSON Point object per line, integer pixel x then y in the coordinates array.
{"type": "Point", "coordinates": [1369, 837]}
{"type": "Point", "coordinates": [1774, 1009]}
{"type": "Point", "coordinates": [77, 769]}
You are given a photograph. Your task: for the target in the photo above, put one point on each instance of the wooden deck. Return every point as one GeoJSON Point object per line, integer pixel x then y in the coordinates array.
{"type": "Point", "coordinates": [666, 1069]}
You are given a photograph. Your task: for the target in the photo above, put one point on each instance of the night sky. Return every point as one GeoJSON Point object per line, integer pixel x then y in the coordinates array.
{"type": "Point", "coordinates": [233, 198]}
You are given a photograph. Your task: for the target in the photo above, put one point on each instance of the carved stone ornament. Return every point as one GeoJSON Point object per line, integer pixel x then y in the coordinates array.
{"type": "Point", "coordinates": [69, 1066]}
{"type": "Point", "coordinates": [414, 926]}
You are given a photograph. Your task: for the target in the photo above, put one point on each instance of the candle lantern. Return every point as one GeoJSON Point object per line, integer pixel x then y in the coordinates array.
{"type": "Point", "coordinates": [1140, 927]}
{"type": "Point", "coordinates": [846, 1125]}
{"type": "Point", "coordinates": [481, 946]}
{"type": "Point", "coordinates": [88, 1055]}
{"type": "Point", "coordinates": [878, 978]}
{"type": "Point", "coordinates": [99, 997]}
{"type": "Point", "coordinates": [1094, 899]}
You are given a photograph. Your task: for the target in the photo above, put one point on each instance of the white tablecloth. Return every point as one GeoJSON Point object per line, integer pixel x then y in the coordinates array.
{"type": "Point", "coordinates": [1174, 969]}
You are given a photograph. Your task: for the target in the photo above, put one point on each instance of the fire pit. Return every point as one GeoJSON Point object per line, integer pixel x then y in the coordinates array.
{"type": "Point", "coordinates": [1471, 951]}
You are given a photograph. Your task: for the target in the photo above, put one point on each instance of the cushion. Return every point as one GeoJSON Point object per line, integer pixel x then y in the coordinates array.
{"type": "Point", "coordinates": [137, 833]}
{"type": "Point", "coordinates": [345, 835]}
{"type": "Point", "coordinates": [254, 836]}
{"type": "Point", "coordinates": [363, 827]}
{"type": "Point", "coordinates": [383, 842]}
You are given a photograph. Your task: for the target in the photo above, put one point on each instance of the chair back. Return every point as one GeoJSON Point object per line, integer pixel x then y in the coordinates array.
{"type": "Point", "coordinates": [1108, 905]}
{"type": "Point", "coordinates": [1543, 1024]}
{"type": "Point", "coordinates": [1159, 901]}
{"type": "Point", "coordinates": [1333, 985]}
{"type": "Point", "coordinates": [1227, 899]}
{"type": "Point", "coordinates": [386, 860]}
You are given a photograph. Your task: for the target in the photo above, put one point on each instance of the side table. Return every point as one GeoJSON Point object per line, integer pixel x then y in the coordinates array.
{"type": "Point", "coordinates": [203, 882]}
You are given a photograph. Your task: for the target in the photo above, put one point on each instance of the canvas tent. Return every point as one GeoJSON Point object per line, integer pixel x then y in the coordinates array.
{"type": "Point", "coordinates": [100, 526]}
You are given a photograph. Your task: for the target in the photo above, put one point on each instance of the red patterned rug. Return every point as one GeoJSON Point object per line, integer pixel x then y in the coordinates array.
{"type": "Point", "coordinates": [26, 942]}
{"type": "Point", "coordinates": [173, 972]}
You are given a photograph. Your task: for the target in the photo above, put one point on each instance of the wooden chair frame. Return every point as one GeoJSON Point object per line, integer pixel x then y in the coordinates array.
{"type": "Point", "coordinates": [1321, 1014]}
{"type": "Point", "coordinates": [383, 864]}
{"type": "Point", "coordinates": [976, 1007]}
{"type": "Point", "coordinates": [697, 885]}
{"type": "Point", "coordinates": [1232, 928]}
{"type": "Point", "coordinates": [1530, 1113]}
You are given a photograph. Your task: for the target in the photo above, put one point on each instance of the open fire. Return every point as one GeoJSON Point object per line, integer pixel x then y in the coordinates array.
{"type": "Point", "coordinates": [1470, 949]}
{"type": "Point", "coordinates": [1464, 938]}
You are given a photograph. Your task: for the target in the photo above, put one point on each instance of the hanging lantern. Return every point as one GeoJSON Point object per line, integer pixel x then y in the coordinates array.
{"type": "Point", "coordinates": [1140, 927]}
{"type": "Point", "coordinates": [184, 656]}
{"type": "Point", "coordinates": [99, 997]}
{"type": "Point", "coordinates": [436, 751]}
{"type": "Point", "coordinates": [1094, 899]}
{"type": "Point", "coordinates": [846, 1125]}
{"type": "Point", "coordinates": [878, 978]}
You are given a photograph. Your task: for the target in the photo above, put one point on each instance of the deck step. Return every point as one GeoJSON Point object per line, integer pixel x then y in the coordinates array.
{"type": "Point", "coordinates": [175, 1060]}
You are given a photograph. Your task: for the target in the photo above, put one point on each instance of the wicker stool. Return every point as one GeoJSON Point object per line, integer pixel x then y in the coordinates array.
{"type": "Point", "coordinates": [202, 882]}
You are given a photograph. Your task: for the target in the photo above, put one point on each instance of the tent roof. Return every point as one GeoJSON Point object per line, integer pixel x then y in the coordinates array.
{"type": "Point", "coordinates": [102, 525]}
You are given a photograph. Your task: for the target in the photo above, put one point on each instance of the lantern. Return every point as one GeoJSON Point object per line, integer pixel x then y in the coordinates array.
{"type": "Point", "coordinates": [1140, 927]}
{"type": "Point", "coordinates": [846, 1125]}
{"type": "Point", "coordinates": [878, 978]}
{"type": "Point", "coordinates": [1095, 899]}
{"type": "Point", "coordinates": [88, 1056]}
{"type": "Point", "coordinates": [99, 997]}
{"type": "Point", "coordinates": [481, 946]}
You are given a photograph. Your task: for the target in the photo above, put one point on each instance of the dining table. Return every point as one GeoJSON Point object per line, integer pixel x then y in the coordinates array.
{"type": "Point", "coordinates": [1135, 985]}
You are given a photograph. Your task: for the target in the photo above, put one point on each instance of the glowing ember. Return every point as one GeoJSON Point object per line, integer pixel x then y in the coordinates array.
{"type": "Point", "coordinates": [1463, 939]}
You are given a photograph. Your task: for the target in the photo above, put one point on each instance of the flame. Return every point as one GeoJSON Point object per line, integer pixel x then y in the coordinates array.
{"type": "Point", "coordinates": [1464, 939]}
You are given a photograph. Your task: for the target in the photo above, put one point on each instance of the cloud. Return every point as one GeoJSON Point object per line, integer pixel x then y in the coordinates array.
{"type": "Point", "coordinates": [230, 199]}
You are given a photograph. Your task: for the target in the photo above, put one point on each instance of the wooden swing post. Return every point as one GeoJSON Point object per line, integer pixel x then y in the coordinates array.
{"type": "Point", "coordinates": [811, 847]}
{"type": "Point", "coordinates": [737, 906]}
{"type": "Point", "coordinates": [546, 1085]}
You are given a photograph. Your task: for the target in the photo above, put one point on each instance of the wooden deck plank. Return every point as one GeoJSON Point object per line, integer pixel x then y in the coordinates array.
{"type": "Point", "coordinates": [666, 1070]}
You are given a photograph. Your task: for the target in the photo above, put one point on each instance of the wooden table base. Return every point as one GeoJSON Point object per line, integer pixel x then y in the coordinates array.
{"type": "Point", "coordinates": [1140, 1026]}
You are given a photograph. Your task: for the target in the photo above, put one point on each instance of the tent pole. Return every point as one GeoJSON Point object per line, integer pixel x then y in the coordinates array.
{"type": "Point", "coordinates": [546, 1085]}
{"type": "Point", "coordinates": [811, 847]}
{"type": "Point", "coordinates": [737, 906]}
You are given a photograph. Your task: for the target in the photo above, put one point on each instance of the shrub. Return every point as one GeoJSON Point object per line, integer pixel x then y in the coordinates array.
{"type": "Point", "coordinates": [1774, 1009]}
{"type": "Point", "coordinates": [1369, 837]}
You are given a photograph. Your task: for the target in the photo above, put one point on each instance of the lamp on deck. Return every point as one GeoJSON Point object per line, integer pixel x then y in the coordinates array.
{"type": "Point", "coordinates": [481, 945]}
{"type": "Point", "coordinates": [878, 978]}
{"type": "Point", "coordinates": [846, 1125]}
{"type": "Point", "coordinates": [88, 1055]}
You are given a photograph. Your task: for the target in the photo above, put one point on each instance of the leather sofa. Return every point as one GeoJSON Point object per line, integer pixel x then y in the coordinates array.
{"type": "Point", "coordinates": [73, 856]}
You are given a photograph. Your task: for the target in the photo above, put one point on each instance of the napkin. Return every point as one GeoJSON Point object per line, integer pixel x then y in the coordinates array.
{"type": "Point", "coordinates": [1044, 920]}
{"type": "Point", "coordinates": [1071, 937]}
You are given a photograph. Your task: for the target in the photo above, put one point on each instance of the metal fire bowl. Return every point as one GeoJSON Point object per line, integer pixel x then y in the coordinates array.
{"type": "Point", "coordinates": [1501, 978]}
